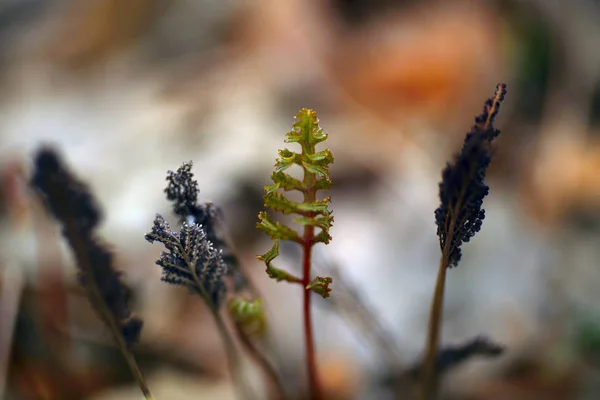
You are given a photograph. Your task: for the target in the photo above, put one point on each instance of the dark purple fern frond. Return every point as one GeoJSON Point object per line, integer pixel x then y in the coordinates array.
{"type": "Point", "coordinates": [191, 261]}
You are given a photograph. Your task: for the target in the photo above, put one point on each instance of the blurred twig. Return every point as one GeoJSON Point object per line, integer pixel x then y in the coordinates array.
{"type": "Point", "coordinates": [350, 304]}
{"type": "Point", "coordinates": [11, 288]}
{"type": "Point", "coordinates": [74, 207]}
{"type": "Point", "coordinates": [12, 280]}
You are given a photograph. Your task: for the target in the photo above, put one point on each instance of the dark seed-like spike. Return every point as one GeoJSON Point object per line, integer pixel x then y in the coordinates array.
{"type": "Point", "coordinates": [462, 189]}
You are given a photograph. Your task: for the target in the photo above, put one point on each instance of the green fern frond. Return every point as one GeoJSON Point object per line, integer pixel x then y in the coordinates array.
{"type": "Point", "coordinates": [312, 213]}
{"type": "Point", "coordinates": [285, 182]}
{"type": "Point", "coordinates": [322, 184]}
{"type": "Point", "coordinates": [271, 254]}
{"type": "Point", "coordinates": [276, 230]}
{"type": "Point", "coordinates": [276, 273]}
{"type": "Point", "coordinates": [306, 130]}
{"type": "Point", "coordinates": [320, 285]}
{"type": "Point", "coordinates": [322, 237]}
{"type": "Point", "coordinates": [323, 222]}
{"type": "Point", "coordinates": [276, 201]}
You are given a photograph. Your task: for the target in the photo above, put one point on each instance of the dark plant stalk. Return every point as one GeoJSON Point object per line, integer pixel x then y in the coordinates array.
{"type": "Point", "coordinates": [459, 217]}
{"type": "Point", "coordinates": [433, 335]}
{"type": "Point", "coordinates": [79, 248]}
{"type": "Point", "coordinates": [73, 206]}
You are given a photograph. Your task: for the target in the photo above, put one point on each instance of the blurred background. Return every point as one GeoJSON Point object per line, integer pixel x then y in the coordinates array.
{"type": "Point", "coordinates": [127, 90]}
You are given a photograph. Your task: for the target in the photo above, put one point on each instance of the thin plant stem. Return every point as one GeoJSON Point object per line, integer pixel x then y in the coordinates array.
{"type": "Point", "coordinates": [261, 360]}
{"type": "Point", "coordinates": [429, 377]}
{"type": "Point", "coordinates": [313, 377]}
{"type": "Point", "coordinates": [12, 283]}
{"type": "Point", "coordinates": [233, 359]}
{"type": "Point", "coordinates": [429, 380]}
{"type": "Point", "coordinates": [79, 247]}
{"type": "Point", "coordinates": [309, 232]}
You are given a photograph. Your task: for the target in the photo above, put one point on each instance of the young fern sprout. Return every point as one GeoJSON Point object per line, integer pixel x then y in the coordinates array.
{"type": "Point", "coordinates": [72, 204]}
{"type": "Point", "coordinates": [458, 218]}
{"type": "Point", "coordinates": [311, 213]}
{"type": "Point", "coordinates": [248, 315]}
{"type": "Point", "coordinates": [251, 323]}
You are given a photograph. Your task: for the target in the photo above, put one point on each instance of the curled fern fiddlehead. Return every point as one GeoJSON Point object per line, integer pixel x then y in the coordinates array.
{"type": "Point", "coordinates": [248, 315]}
